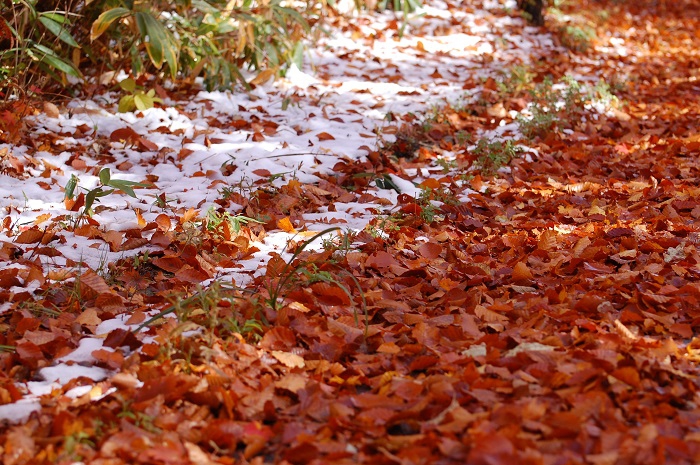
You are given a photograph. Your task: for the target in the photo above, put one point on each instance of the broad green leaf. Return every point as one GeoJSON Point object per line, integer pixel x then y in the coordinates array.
{"type": "Point", "coordinates": [125, 186]}
{"type": "Point", "coordinates": [105, 176]}
{"type": "Point", "coordinates": [49, 57]}
{"type": "Point", "coordinates": [70, 186]}
{"type": "Point", "coordinates": [56, 16]}
{"type": "Point", "coordinates": [126, 104]}
{"type": "Point", "coordinates": [143, 101]}
{"type": "Point", "coordinates": [129, 85]}
{"type": "Point", "coordinates": [103, 22]}
{"type": "Point", "coordinates": [298, 55]}
{"type": "Point", "coordinates": [161, 46]}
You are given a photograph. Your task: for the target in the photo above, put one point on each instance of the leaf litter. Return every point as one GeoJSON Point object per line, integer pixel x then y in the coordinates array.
{"type": "Point", "coordinates": [543, 311]}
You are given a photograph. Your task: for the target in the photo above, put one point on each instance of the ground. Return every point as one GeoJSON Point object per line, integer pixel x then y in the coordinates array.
{"type": "Point", "coordinates": [456, 240]}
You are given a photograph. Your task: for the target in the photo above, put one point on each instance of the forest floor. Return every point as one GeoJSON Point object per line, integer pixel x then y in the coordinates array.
{"type": "Point", "coordinates": [467, 241]}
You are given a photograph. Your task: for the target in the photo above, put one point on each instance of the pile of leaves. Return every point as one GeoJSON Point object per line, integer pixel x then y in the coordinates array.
{"type": "Point", "coordinates": [549, 319]}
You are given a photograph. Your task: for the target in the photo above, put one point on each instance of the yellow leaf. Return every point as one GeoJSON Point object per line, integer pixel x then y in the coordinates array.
{"type": "Point", "coordinates": [285, 225]}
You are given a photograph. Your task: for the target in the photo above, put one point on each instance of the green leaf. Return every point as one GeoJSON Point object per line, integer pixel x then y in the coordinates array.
{"type": "Point", "coordinates": [298, 55]}
{"type": "Point", "coordinates": [143, 101]}
{"type": "Point", "coordinates": [128, 85]}
{"type": "Point", "coordinates": [126, 104]}
{"type": "Point", "coordinates": [70, 186]}
{"type": "Point", "coordinates": [59, 17]}
{"type": "Point", "coordinates": [160, 44]}
{"type": "Point", "coordinates": [126, 186]}
{"type": "Point", "coordinates": [105, 176]}
{"type": "Point", "coordinates": [105, 20]}
{"type": "Point", "coordinates": [49, 57]}
{"type": "Point", "coordinates": [58, 30]}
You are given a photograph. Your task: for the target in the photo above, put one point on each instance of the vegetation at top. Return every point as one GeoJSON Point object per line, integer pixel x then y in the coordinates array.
{"type": "Point", "coordinates": [47, 44]}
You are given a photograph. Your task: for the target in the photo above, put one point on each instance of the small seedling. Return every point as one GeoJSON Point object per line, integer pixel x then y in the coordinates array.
{"type": "Point", "coordinates": [137, 99]}
{"type": "Point", "coordinates": [94, 195]}
{"type": "Point", "coordinates": [492, 155]}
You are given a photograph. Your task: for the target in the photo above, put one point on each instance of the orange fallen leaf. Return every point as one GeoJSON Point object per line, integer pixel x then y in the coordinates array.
{"type": "Point", "coordinates": [285, 224]}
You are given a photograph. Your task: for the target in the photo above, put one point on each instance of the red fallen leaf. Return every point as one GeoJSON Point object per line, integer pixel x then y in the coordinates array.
{"type": "Point", "coordinates": [598, 268]}
{"type": "Point", "coordinates": [170, 263]}
{"type": "Point", "coordinates": [112, 359]}
{"type": "Point", "coordinates": [521, 273]}
{"type": "Point", "coordinates": [381, 260]}
{"type": "Point", "coordinates": [301, 454]}
{"type": "Point", "coordinates": [134, 243]}
{"type": "Point", "coordinates": [120, 337]}
{"type": "Point", "coordinates": [275, 266]}
{"type": "Point", "coordinates": [224, 433]}
{"type": "Point", "coordinates": [114, 239]}
{"type": "Point", "coordinates": [429, 250]}
{"type": "Point", "coordinates": [330, 294]}
{"type": "Point", "coordinates": [109, 301]}
{"type": "Point", "coordinates": [162, 239]}
{"type": "Point", "coordinates": [589, 303]}
{"type": "Point", "coordinates": [191, 275]}
{"type": "Point", "coordinates": [9, 251]}
{"type": "Point", "coordinates": [324, 136]}
{"type": "Point", "coordinates": [684, 330]}
{"type": "Point", "coordinates": [94, 282]}
{"type": "Point", "coordinates": [430, 183]}
{"type": "Point", "coordinates": [40, 337]}
{"type": "Point", "coordinates": [147, 145]}
{"type": "Point", "coordinates": [412, 209]}
{"type": "Point", "coordinates": [173, 387]}
{"type": "Point", "coordinates": [279, 338]}
{"type": "Point", "coordinates": [163, 222]}
{"type": "Point", "coordinates": [30, 236]}
{"type": "Point", "coordinates": [388, 348]}
{"type": "Point", "coordinates": [29, 353]}
{"type": "Point", "coordinates": [620, 232]}
{"type": "Point", "coordinates": [628, 375]}
{"type": "Point", "coordinates": [423, 361]}
{"type": "Point", "coordinates": [126, 134]}
{"type": "Point", "coordinates": [547, 240]}
{"type": "Point", "coordinates": [8, 278]}
{"type": "Point", "coordinates": [28, 323]}
{"type": "Point", "coordinates": [88, 230]}
{"type": "Point", "coordinates": [292, 382]}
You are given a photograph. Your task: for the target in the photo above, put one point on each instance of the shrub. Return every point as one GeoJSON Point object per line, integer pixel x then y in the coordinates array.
{"type": "Point", "coordinates": [35, 41]}
{"type": "Point", "coordinates": [214, 38]}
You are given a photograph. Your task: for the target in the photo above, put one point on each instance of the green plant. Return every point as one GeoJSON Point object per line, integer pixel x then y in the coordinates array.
{"type": "Point", "coordinates": [140, 260]}
{"type": "Point", "coordinates": [73, 441]}
{"type": "Point", "coordinates": [446, 164]}
{"type": "Point", "coordinates": [515, 81]}
{"type": "Point", "coordinates": [551, 106]}
{"type": "Point", "coordinates": [341, 244]}
{"type": "Point", "coordinates": [214, 220]}
{"type": "Point", "coordinates": [577, 38]}
{"type": "Point", "coordinates": [381, 225]}
{"type": "Point", "coordinates": [94, 195]}
{"type": "Point", "coordinates": [137, 98]}
{"type": "Point", "coordinates": [38, 42]}
{"type": "Point", "coordinates": [492, 155]}
{"type": "Point", "coordinates": [284, 276]}
{"type": "Point", "coordinates": [212, 37]}
{"type": "Point", "coordinates": [204, 308]}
